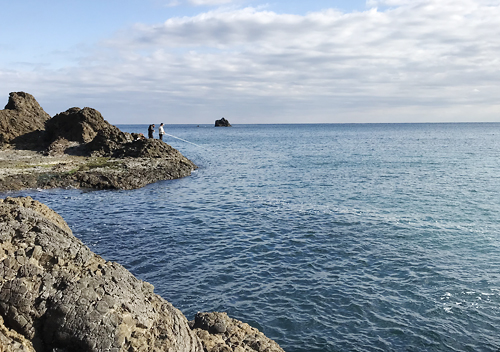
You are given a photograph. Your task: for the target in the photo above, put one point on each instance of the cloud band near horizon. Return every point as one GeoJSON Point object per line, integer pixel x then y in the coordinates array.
{"type": "Point", "coordinates": [405, 61]}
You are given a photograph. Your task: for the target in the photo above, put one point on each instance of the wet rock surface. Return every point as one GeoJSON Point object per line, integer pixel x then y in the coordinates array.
{"type": "Point", "coordinates": [44, 172]}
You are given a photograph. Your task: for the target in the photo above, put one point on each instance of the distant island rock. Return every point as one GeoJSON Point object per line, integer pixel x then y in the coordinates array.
{"type": "Point", "coordinates": [222, 123]}
{"type": "Point", "coordinates": [78, 148]}
{"type": "Point", "coordinates": [57, 295]}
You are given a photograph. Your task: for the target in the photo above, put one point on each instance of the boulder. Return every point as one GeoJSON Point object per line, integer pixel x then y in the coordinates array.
{"type": "Point", "coordinates": [87, 126]}
{"type": "Point", "coordinates": [108, 141]}
{"type": "Point", "coordinates": [222, 123]}
{"type": "Point", "coordinates": [78, 125]}
{"type": "Point", "coordinates": [220, 333]}
{"type": "Point", "coordinates": [56, 295]}
{"type": "Point", "coordinates": [22, 116]}
{"type": "Point", "coordinates": [57, 147]}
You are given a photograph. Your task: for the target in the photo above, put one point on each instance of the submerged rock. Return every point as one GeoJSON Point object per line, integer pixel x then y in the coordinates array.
{"type": "Point", "coordinates": [22, 116]}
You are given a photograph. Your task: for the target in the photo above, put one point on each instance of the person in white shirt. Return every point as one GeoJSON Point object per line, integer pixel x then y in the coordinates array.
{"type": "Point", "coordinates": [161, 132]}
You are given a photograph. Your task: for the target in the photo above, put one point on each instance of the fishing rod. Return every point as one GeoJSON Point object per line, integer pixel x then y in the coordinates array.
{"type": "Point", "coordinates": [185, 141]}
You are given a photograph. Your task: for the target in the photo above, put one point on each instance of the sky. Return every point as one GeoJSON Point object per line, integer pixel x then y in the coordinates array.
{"type": "Point", "coordinates": [251, 61]}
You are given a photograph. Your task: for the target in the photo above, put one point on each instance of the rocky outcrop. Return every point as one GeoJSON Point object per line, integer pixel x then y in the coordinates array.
{"type": "Point", "coordinates": [57, 295]}
{"type": "Point", "coordinates": [60, 296]}
{"type": "Point", "coordinates": [222, 123]}
{"type": "Point", "coordinates": [220, 333]}
{"type": "Point", "coordinates": [87, 126]}
{"type": "Point", "coordinates": [80, 150]}
{"type": "Point", "coordinates": [22, 116]}
{"type": "Point", "coordinates": [75, 124]}
{"type": "Point", "coordinates": [97, 173]}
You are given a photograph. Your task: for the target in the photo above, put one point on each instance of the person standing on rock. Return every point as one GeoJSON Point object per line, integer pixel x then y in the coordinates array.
{"type": "Point", "coordinates": [161, 131]}
{"type": "Point", "coordinates": [151, 130]}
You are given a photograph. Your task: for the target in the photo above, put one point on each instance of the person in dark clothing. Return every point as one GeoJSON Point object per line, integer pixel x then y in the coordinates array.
{"type": "Point", "coordinates": [151, 130]}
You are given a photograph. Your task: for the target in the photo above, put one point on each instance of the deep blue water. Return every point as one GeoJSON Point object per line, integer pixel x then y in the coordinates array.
{"type": "Point", "coordinates": [376, 237]}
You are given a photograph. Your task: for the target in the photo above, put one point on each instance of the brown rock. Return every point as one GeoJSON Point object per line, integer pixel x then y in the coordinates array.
{"type": "Point", "coordinates": [220, 333]}
{"type": "Point", "coordinates": [22, 115]}
{"type": "Point", "coordinates": [57, 294]}
{"type": "Point", "coordinates": [57, 147]}
{"type": "Point", "coordinates": [109, 141]}
{"type": "Point", "coordinates": [11, 341]}
{"type": "Point", "coordinates": [147, 148]}
{"type": "Point", "coordinates": [78, 125]}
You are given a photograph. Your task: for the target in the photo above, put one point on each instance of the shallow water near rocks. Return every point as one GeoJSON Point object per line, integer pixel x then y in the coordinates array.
{"type": "Point", "coordinates": [382, 237]}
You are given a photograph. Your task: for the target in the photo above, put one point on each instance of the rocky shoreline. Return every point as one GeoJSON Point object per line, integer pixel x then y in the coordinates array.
{"type": "Point", "coordinates": [24, 169]}
{"type": "Point", "coordinates": [78, 149]}
{"type": "Point", "coordinates": [56, 295]}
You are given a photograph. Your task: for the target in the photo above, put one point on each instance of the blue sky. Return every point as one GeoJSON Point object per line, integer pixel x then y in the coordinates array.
{"type": "Point", "coordinates": [194, 61]}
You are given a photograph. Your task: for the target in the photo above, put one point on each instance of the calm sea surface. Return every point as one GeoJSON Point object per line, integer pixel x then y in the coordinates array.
{"type": "Point", "coordinates": [377, 237]}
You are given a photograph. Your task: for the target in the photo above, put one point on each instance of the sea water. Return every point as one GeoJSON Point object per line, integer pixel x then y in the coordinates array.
{"type": "Point", "coordinates": [336, 237]}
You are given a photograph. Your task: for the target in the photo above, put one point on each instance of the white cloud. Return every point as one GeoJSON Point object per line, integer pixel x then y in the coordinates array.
{"type": "Point", "coordinates": [417, 57]}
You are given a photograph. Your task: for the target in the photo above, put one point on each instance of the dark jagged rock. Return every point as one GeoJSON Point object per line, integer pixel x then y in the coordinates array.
{"type": "Point", "coordinates": [87, 126]}
{"type": "Point", "coordinates": [22, 116]}
{"type": "Point", "coordinates": [222, 123]}
{"type": "Point", "coordinates": [58, 295]}
{"type": "Point", "coordinates": [78, 125]}
{"type": "Point", "coordinates": [109, 141]}
{"type": "Point", "coordinates": [100, 138]}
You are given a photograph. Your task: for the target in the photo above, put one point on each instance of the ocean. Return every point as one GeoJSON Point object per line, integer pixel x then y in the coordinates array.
{"type": "Point", "coordinates": [328, 237]}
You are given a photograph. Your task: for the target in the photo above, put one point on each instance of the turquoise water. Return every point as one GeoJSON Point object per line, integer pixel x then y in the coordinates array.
{"type": "Point", "coordinates": [376, 237]}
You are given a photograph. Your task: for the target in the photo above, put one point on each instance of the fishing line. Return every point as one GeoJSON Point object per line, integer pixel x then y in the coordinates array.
{"type": "Point", "coordinates": [186, 141]}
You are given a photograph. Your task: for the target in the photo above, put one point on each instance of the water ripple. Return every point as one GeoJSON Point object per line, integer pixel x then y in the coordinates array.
{"type": "Point", "coordinates": [326, 238]}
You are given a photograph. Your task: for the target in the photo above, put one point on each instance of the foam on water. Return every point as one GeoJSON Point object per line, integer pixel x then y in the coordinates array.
{"type": "Point", "coordinates": [325, 237]}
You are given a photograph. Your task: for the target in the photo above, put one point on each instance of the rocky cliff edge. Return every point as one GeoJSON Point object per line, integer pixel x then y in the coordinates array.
{"type": "Point", "coordinates": [57, 295]}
